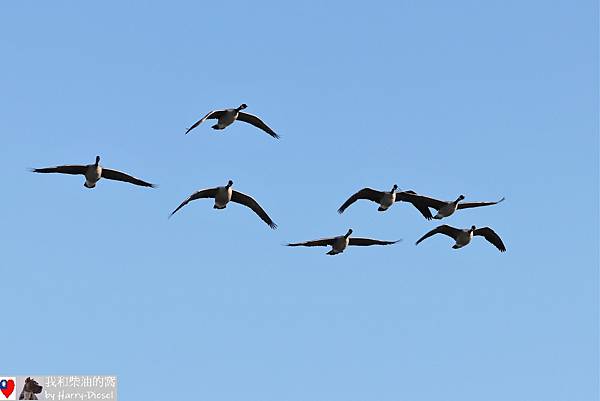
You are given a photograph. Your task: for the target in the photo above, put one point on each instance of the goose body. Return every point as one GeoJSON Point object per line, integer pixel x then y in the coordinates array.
{"type": "Point", "coordinates": [448, 208]}
{"type": "Point", "coordinates": [340, 243]}
{"type": "Point", "coordinates": [224, 195]}
{"type": "Point", "coordinates": [226, 117]}
{"type": "Point", "coordinates": [93, 173]}
{"type": "Point", "coordinates": [386, 199]}
{"type": "Point", "coordinates": [463, 237]}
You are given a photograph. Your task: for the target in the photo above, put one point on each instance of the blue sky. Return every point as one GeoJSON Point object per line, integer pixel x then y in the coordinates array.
{"type": "Point", "coordinates": [487, 99]}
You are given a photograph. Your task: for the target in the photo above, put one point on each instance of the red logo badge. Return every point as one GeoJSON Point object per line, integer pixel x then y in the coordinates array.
{"type": "Point", "coordinates": [7, 387]}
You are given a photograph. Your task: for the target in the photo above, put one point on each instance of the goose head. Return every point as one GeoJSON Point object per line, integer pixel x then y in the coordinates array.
{"type": "Point", "coordinates": [472, 228]}
{"type": "Point", "coordinates": [348, 233]}
{"type": "Point", "coordinates": [242, 106]}
{"type": "Point", "coordinates": [97, 160]}
{"type": "Point", "coordinates": [394, 188]}
{"type": "Point", "coordinates": [229, 184]}
{"type": "Point", "coordinates": [461, 197]}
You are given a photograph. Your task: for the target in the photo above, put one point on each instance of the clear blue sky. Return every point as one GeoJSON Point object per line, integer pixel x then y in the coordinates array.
{"type": "Point", "coordinates": [487, 99]}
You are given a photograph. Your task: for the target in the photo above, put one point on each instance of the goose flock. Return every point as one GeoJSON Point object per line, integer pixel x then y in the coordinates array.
{"type": "Point", "coordinates": [225, 194]}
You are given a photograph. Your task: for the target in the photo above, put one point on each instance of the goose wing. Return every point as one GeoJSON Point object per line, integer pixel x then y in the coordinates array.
{"type": "Point", "coordinates": [68, 169]}
{"type": "Point", "coordinates": [318, 242]}
{"type": "Point", "coordinates": [365, 193]}
{"type": "Point", "coordinates": [120, 176]}
{"type": "Point", "coordinates": [213, 114]}
{"type": "Point", "coordinates": [257, 122]}
{"type": "Point", "coordinates": [491, 236]}
{"type": "Point", "coordinates": [367, 241]}
{"type": "Point", "coordinates": [443, 229]}
{"type": "Point", "coordinates": [413, 198]}
{"type": "Point", "coordinates": [204, 193]}
{"type": "Point", "coordinates": [467, 205]}
{"type": "Point", "coordinates": [245, 200]}
{"type": "Point", "coordinates": [429, 202]}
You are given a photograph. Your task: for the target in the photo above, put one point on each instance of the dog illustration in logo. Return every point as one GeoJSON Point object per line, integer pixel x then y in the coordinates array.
{"type": "Point", "coordinates": [30, 389]}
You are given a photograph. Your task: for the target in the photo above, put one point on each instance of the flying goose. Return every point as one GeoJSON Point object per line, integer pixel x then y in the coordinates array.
{"type": "Point", "coordinates": [224, 195]}
{"type": "Point", "coordinates": [228, 116]}
{"type": "Point", "coordinates": [93, 173]}
{"type": "Point", "coordinates": [385, 199]}
{"type": "Point", "coordinates": [447, 208]}
{"type": "Point", "coordinates": [464, 237]}
{"type": "Point", "coordinates": [339, 244]}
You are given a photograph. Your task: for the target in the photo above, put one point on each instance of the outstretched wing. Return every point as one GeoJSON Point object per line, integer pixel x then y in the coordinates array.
{"type": "Point", "coordinates": [213, 114]}
{"type": "Point", "coordinates": [426, 201]}
{"type": "Point", "coordinates": [467, 205]}
{"type": "Point", "coordinates": [413, 198]}
{"type": "Point", "coordinates": [367, 241]}
{"type": "Point", "coordinates": [245, 200]}
{"type": "Point", "coordinates": [443, 229]}
{"type": "Point", "coordinates": [491, 236]}
{"type": "Point", "coordinates": [257, 122]}
{"type": "Point", "coordinates": [365, 193]}
{"type": "Point", "coordinates": [204, 193]}
{"type": "Point", "coordinates": [68, 169]}
{"type": "Point", "coordinates": [119, 176]}
{"type": "Point", "coordinates": [318, 242]}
